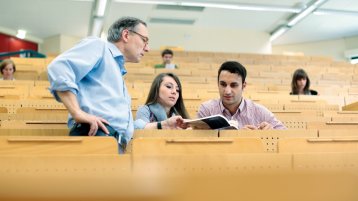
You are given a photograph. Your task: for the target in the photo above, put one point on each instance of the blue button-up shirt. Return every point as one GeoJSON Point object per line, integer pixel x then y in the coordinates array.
{"type": "Point", "coordinates": [93, 70]}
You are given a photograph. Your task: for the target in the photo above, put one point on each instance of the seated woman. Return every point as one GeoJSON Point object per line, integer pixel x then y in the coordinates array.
{"type": "Point", "coordinates": [164, 108]}
{"type": "Point", "coordinates": [300, 84]}
{"type": "Point", "coordinates": [8, 69]}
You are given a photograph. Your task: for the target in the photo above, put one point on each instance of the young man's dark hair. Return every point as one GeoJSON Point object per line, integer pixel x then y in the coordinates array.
{"type": "Point", "coordinates": [233, 67]}
{"type": "Point", "coordinates": [167, 51]}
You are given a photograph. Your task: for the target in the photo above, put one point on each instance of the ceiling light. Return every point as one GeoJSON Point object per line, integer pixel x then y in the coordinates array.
{"type": "Point", "coordinates": [149, 2]}
{"type": "Point", "coordinates": [296, 18]}
{"type": "Point", "coordinates": [97, 27]}
{"type": "Point", "coordinates": [101, 7]}
{"type": "Point", "coordinates": [278, 32]}
{"type": "Point", "coordinates": [253, 7]}
{"type": "Point", "coordinates": [310, 7]}
{"type": "Point", "coordinates": [335, 12]}
{"type": "Point", "coordinates": [21, 34]}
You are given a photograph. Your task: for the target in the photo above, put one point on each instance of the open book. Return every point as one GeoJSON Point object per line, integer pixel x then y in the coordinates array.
{"type": "Point", "coordinates": [212, 122]}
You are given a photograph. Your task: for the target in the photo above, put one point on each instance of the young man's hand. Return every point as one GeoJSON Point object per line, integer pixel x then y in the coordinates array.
{"type": "Point", "coordinates": [262, 126]}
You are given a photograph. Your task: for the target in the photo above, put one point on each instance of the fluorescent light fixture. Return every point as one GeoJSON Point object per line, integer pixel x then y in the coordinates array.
{"type": "Point", "coordinates": [97, 26]}
{"type": "Point", "coordinates": [311, 6]}
{"type": "Point", "coordinates": [278, 32]}
{"type": "Point", "coordinates": [295, 19]}
{"type": "Point", "coordinates": [253, 7]}
{"type": "Point", "coordinates": [334, 12]}
{"type": "Point", "coordinates": [101, 7]}
{"type": "Point", "coordinates": [172, 21]}
{"type": "Point", "coordinates": [299, 17]}
{"type": "Point", "coordinates": [174, 3]}
{"type": "Point", "coordinates": [21, 33]}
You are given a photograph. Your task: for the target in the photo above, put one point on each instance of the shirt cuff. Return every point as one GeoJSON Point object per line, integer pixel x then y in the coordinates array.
{"type": "Point", "coordinates": [139, 124]}
{"type": "Point", "coordinates": [62, 85]}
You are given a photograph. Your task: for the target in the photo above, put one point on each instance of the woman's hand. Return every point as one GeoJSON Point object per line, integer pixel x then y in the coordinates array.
{"type": "Point", "coordinates": [174, 122]}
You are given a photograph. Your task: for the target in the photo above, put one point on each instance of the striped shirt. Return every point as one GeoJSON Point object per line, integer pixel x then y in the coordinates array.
{"type": "Point", "coordinates": [248, 113]}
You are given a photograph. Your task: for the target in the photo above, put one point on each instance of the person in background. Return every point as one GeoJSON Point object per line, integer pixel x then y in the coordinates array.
{"type": "Point", "coordinates": [164, 108]}
{"type": "Point", "coordinates": [88, 79]}
{"type": "Point", "coordinates": [232, 105]}
{"type": "Point", "coordinates": [300, 84]}
{"type": "Point", "coordinates": [8, 69]}
{"type": "Point", "coordinates": [167, 56]}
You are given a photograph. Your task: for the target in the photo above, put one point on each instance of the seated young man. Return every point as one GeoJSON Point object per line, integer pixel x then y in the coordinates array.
{"type": "Point", "coordinates": [249, 115]}
{"type": "Point", "coordinates": [167, 56]}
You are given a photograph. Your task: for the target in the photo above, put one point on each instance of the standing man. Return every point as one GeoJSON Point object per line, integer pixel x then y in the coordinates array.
{"type": "Point", "coordinates": [88, 79]}
{"type": "Point", "coordinates": [249, 115]}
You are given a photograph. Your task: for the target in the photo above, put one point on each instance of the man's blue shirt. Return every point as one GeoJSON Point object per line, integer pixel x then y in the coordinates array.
{"type": "Point", "coordinates": [93, 70]}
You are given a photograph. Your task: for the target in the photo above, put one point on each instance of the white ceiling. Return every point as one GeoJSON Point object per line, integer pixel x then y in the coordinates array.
{"type": "Point", "coordinates": [46, 18]}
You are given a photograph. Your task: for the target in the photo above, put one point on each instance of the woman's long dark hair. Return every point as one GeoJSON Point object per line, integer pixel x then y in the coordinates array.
{"type": "Point", "coordinates": [297, 75]}
{"type": "Point", "coordinates": [154, 94]}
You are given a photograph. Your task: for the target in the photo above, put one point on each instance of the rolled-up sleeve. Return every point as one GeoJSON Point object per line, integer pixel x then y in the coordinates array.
{"type": "Point", "coordinates": [142, 117]}
{"type": "Point", "coordinates": [270, 118]}
{"type": "Point", "coordinates": [73, 65]}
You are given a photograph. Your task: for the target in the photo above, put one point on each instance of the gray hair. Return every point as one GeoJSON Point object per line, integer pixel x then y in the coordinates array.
{"type": "Point", "coordinates": [115, 31]}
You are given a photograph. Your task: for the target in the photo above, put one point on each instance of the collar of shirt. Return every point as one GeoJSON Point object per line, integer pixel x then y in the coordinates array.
{"type": "Point", "coordinates": [242, 105]}
{"type": "Point", "coordinates": [227, 112]}
{"type": "Point", "coordinates": [118, 56]}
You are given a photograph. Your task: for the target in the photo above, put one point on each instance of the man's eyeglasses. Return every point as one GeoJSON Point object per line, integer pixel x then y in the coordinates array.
{"type": "Point", "coordinates": [144, 38]}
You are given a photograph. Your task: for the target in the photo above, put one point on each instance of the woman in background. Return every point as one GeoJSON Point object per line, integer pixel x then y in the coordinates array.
{"type": "Point", "coordinates": [8, 69]}
{"type": "Point", "coordinates": [164, 108]}
{"type": "Point", "coordinates": [300, 84]}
